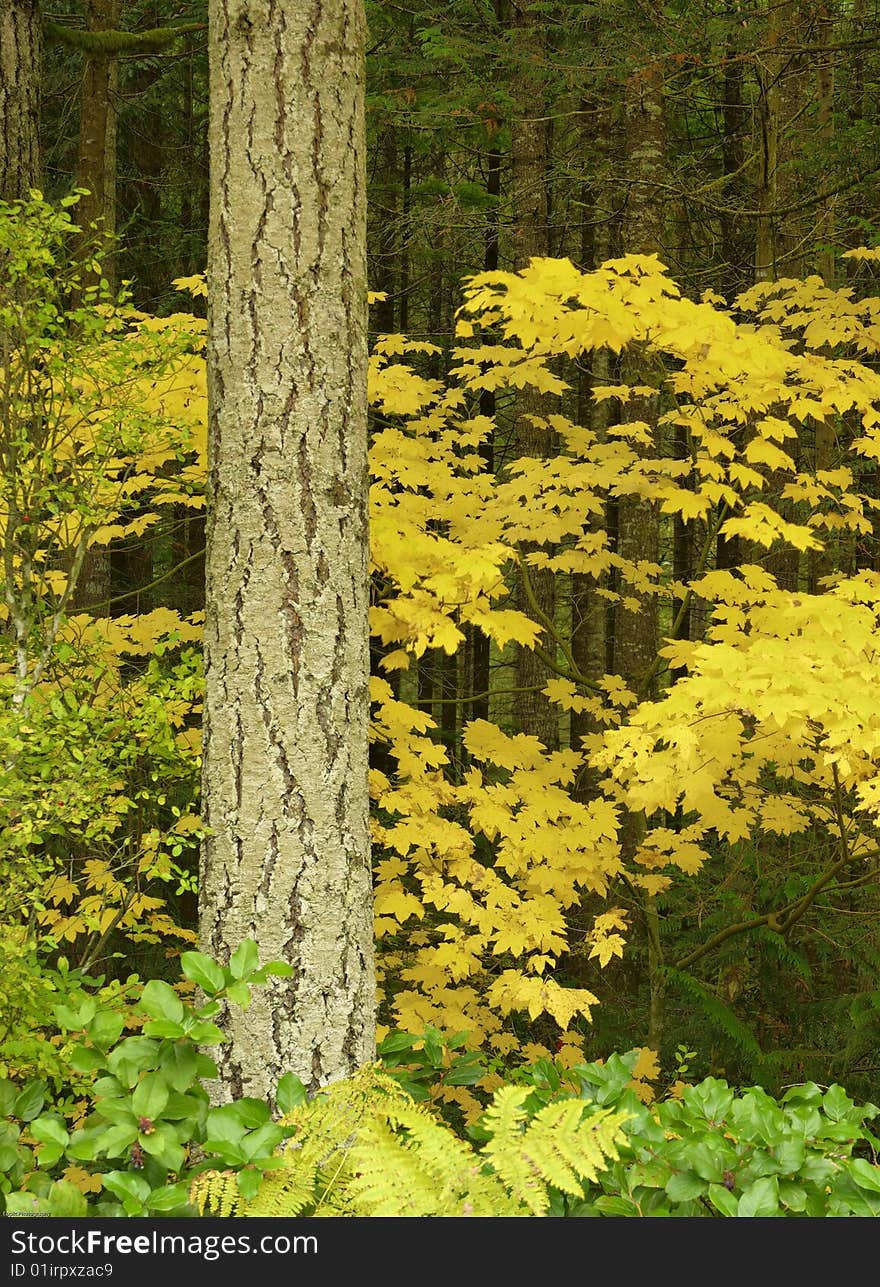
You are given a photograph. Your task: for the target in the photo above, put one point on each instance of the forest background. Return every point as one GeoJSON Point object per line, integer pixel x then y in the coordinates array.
{"type": "Point", "coordinates": [625, 553]}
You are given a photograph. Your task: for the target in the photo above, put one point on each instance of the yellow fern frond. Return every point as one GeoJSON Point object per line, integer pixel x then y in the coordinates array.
{"type": "Point", "coordinates": [563, 1145]}
{"type": "Point", "coordinates": [215, 1193]}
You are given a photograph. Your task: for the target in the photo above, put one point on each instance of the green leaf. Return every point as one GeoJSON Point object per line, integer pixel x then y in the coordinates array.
{"type": "Point", "coordinates": [865, 1175]}
{"type": "Point", "coordinates": [150, 1096]}
{"type": "Point", "coordinates": [244, 959]}
{"type": "Point", "coordinates": [612, 1205]}
{"type": "Point", "coordinates": [290, 1093]}
{"type": "Point", "coordinates": [107, 1088]}
{"type": "Point", "coordinates": [207, 1033]}
{"type": "Point", "coordinates": [170, 1198]}
{"type": "Point", "coordinates": [707, 1161]}
{"type": "Point", "coordinates": [251, 1112]}
{"type": "Point", "coordinates": [68, 1018]}
{"type": "Point", "coordinates": [279, 968]}
{"type": "Point", "coordinates": [789, 1153]}
{"type": "Point", "coordinates": [8, 1096]}
{"type": "Point", "coordinates": [117, 1110]}
{"type": "Point", "coordinates": [85, 1060]}
{"type": "Point", "coordinates": [179, 1065]}
{"type": "Point", "coordinates": [105, 1028]}
{"type": "Point", "coordinates": [203, 971]}
{"type": "Point", "coordinates": [49, 1154]}
{"type": "Point", "coordinates": [466, 1071]}
{"type": "Point", "coordinates": [224, 1124]}
{"type": "Point", "coordinates": [761, 1198]}
{"type": "Point", "coordinates": [160, 1001]}
{"type": "Point", "coordinates": [239, 993]}
{"type": "Point", "coordinates": [248, 1180]}
{"type": "Point", "coordinates": [134, 1053]}
{"type": "Point", "coordinates": [261, 1143]}
{"type": "Point", "coordinates": [792, 1195]}
{"type": "Point", "coordinates": [49, 1127]}
{"type": "Point", "coordinates": [9, 1157]}
{"type": "Point", "coordinates": [25, 1203]}
{"type": "Point", "coordinates": [84, 1144]}
{"type": "Point", "coordinates": [684, 1187]}
{"type": "Point", "coordinates": [66, 1200]}
{"type": "Point", "coordinates": [164, 1028]}
{"type": "Point", "coordinates": [29, 1104]}
{"type": "Point", "coordinates": [396, 1041]}
{"type": "Point", "coordinates": [163, 1145]}
{"type": "Point", "coordinates": [205, 1067]}
{"type": "Point", "coordinates": [116, 1141]}
{"type": "Point", "coordinates": [227, 1151]}
{"type": "Point", "coordinates": [836, 1103]}
{"type": "Point", "coordinates": [127, 1184]}
{"type": "Point", "coordinates": [722, 1199]}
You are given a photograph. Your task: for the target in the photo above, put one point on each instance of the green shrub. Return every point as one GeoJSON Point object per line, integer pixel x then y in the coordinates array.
{"type": "Point", "coordinates": [554, 1142]}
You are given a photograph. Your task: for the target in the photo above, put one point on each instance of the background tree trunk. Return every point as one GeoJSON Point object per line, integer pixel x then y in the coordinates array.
{"type": "Point", "coordinates": [533, 713]}
{"type": "Point", "coordinates": [20, 54]}
{"type": "Point", "coordinates": [286, 707]}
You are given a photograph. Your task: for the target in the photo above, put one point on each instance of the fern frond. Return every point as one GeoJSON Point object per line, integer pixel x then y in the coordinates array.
{"type": "Point", "coordinates": [411, 1165]}
{"type": "Point", "coordinates": [568, 1148]}
{"type": "Point", "coordinates": [718, 1013]}
{"type": "Point", "coordinates": [216, 1192]}
{"type": "Point", "coordinates": [363, 1147]}
{"type": "Point", "coordinates": [560, 1147]}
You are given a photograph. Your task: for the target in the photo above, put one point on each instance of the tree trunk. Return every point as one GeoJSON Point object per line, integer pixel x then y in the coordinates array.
{"type": "Point", "coordinates": [533, 713]}
{"type": "Point", "coordinates": [96, 161]}
{"type": "Point", "coordinates": [286, 707]}
{"type": "Point", "coordinates": [636, 633]}
{"type": "Point", "coordinates": [20, 55]}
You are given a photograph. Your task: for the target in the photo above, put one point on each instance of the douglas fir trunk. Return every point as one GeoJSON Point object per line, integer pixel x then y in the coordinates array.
{"type": "Point", "coordinates": [285, 754]}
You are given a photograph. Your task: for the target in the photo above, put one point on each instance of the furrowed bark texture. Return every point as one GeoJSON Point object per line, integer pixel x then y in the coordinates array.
{"type": "Point", "coordinates": [20, 54]}
{"type": "Point", "coordinates": [286, 708]}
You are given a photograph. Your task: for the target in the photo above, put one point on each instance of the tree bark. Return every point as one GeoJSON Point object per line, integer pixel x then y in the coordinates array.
{"type": "Point", "coordinates": [637, 538]}
{"type": "Point", "coordinates": [96, 162]}
{"type": "Point", "coordinates": [286, 707]}
{"type": "Point", "coordinates": [20, 56]}
{"type": "Point", "coordinates": [533, 712]}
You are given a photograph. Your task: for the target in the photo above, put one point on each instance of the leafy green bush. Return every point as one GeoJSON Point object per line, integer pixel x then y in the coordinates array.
{"type": "Point", "coordinates": [557, 1142]}
{"type": "Point", "coordinates": [150, 1127]}
{"type": "Point", "coordinates": [714, 1151]}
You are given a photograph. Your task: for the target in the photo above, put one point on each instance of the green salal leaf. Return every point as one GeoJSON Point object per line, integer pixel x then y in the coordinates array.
{"type": "Point", "coordinates": [127, 1184]}
{"type": "Point", "coordinates": [29, 1104]}
{"type": "Point", "coordinates": [85, 1059]}
{"type": "Point", "coordinates": [761, 1198]}
{"type": "Point", "coordinates": [248, 1181]}
{"type": "Point", "coordinates": [49, 1128]}
{"type": "Point", "coordinates": [163, 1145]}
{"type": "Point", "coordinates": [204, 972]}
{"type": "Point", "coordinates": [244, 960]}
{"type": "Point", "coordinates": [290, 1093]}
{"type": "Point", "coordinates": [164, 1029]}
{"type": "Point", "coordinates": [160, 1001]}
{"type": "Point", "coordinates": [150, 1096]}
{"type": "Point", "coordinates": [170, 1197]}
{"type": "Point", "coordinates": [8, 1095]}
{"type": "Point", "coordinates": [105, 1028]}
{"type": "Point", "coordinates": [140, 1053]}
{"type": "Point", "coordinates": [239, 993]}
{"type": "Point", "coordinates": [65, 1199]}
{"type": "Point", "coordinates": [722, 1199]}
{"type": "Point", "coordinates": [865, 1175]}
